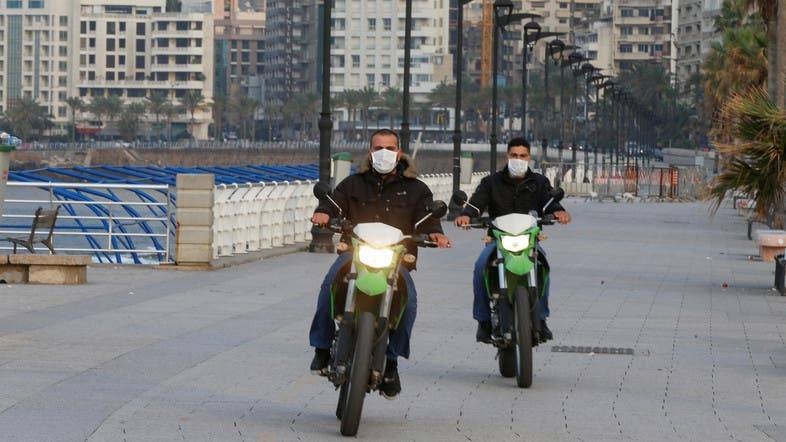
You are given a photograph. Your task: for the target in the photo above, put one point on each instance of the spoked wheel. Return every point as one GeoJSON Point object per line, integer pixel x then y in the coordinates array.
{"type": "Point", "coordinates": [523, 323]}
{"type": "Point", "coordinates": [359, 375]}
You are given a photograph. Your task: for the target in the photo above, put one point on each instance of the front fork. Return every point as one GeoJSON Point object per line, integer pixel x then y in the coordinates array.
{"type": "Point", "coordinates": [502, 312]}
{"type": "Point", "coordinates": [344, 343]}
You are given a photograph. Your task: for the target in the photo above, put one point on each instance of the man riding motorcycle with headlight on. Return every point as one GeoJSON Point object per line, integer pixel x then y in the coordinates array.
{"type": "Point", "coordinates": [514, 189]}
{"type": "Point", "coordinates": [385, 189]}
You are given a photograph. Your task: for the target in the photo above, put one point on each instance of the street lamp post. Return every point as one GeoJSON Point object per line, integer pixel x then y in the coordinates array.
{"type": "Point", "coordinates": [503, 9]}
{"type": "Point", "coordinates": [563, 64]}
{"type": "Point", "coordinates": [531, 34]}
{"type": "Point", "coordinates": [404, 135]}
{"type": "Point", "coordinates": [588, 70]}
{"type": "Point", "coordinates": [322, 239]}
{"type": "Point", "coordinates": [574, 61]}
{"type": "Point", "coordinates": [454, 210]}
{"type": "Point", "coordinates": [554, 51]}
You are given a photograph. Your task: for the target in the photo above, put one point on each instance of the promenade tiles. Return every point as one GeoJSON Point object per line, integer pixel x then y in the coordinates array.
{"type": "Point", "coordinates": [143, 354]}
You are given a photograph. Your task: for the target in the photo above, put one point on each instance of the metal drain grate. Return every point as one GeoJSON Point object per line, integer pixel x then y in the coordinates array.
{"type": "Point", "coordinates": [596, 350]}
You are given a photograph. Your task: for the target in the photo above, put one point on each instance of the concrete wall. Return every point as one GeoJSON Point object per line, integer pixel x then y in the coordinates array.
{"type": "Point", "coordinates": [193, 243]}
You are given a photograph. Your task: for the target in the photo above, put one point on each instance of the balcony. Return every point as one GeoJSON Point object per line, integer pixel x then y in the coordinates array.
{"type": "Point", "coordinates": [192, 50]}
{"type": "Point", "coordinates": [140, 84]}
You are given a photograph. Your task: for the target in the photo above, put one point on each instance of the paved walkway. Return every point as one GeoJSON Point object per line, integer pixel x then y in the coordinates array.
{"type": "Point", "coordinates": [143, 354]}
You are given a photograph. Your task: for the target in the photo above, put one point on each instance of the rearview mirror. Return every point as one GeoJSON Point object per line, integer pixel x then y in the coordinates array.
{"type": "Point", "coordinates": [321, 190]}
{"type": "Point", "coordinates": [438, 209]}
{"type": "Point", "coordinates": [459, 198]}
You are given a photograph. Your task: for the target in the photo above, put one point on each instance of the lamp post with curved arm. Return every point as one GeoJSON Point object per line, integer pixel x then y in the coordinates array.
{"type": "Point", "coordinates": [503, 9]}
{"type": "Point", "coordinates": [554, 51]}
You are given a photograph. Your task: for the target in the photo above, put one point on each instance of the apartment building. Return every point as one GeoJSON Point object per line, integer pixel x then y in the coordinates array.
{"type": "Point", "coordinates": [642, 33]}
{"type": "Point", "coordinates": [368, 45]}
{"type": "Point", "coordinates": [291, 51]}
{"type": "Point", "coordinates": [239, 35]}
{"type": "Point", "coordinates": [695, 35]}
{"type": "Point", "coordinates": [36, 53]}
{"type": "Point", "coordinates": [135, 50]}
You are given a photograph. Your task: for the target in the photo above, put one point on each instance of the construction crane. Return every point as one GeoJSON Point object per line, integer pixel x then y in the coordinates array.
{"type": "Point", "coordinates": [486, 43]}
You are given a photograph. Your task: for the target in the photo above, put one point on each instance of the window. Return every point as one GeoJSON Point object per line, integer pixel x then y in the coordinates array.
{"type": "Point", "coordinates": [63, 20]}
{"type": "Point", "coordinates": [91, 75]}
{"type": "Point", "coordinates": [626, 30]}
{"type": "Point", "coordinates": [91, 42]}
{"type": "Point", "coordinates": [35, 4]}
{"type": "Point", "coordinates": [370, 80]}
{"type": "Point", "coordinates": [140, 46]}
{"type": "Point", "coordinates": [140, 62]}
{"type": "Point", "coordinates": [121, 43]}
{"type": "Point", "coordinates": [122, 26]}
{"type": "Point", "coordinates": [372, 24]}
{"type": "Point", "coordinates": [387, 24]}
{"type": "Point", "coordinates": [644, 48]}
{"type": "Point", "coordinates": [356, 61]}
{"type": "Point", "coordinates": [561, 6]}
{"type": "Point", "coordinates": [92, 26]}
{"type": "Point", "coordinates": [63, 35]}
{"type": "Point", "coordinates": [386, 79]}
{"type": "Point", "coordinates": [91, 59]}
{"type": "Point", "coordinates": [626, 12]}
{"type": "Point", "coordinates": [644, 12]}
{"type": "Point", "coordinates": [659, 47]}
{"type": "Point", "coordinates": [181, 25]}
{"type": "Point", "coordinates": [110, 61]}
{"type": "Point", "coordinates": [121, 60]}
{"type": "Point", "coordinates": [110, 44]}
{"type": "Point", "coordinates": [111, 28]}
{"type": "Point", "coordinates": [110, 76]}
{"type": "Point", "coordinates": [14, 4]}
{"type": "Point", "coordinates": [83, 27]}
{"type": "Point", "coordinates": [626, 49]}
{"type": "Point", "coordinates": [140, 29]}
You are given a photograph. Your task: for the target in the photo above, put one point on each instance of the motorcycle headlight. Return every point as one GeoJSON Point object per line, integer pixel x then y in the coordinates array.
{"type": "Point", "coordinates": [515, 243]}
{"type": "Point", "coordinates": [375, 258]}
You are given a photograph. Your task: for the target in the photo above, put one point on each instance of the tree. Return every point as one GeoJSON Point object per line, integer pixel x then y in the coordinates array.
{"type": "Point", "coordinates": [390, 100]}
{"type": "Point", "coordinates": [169, 110]}
{"type": "Point", "coordinates": [192, 101]}
{"type": "Point", "coordinates": [243, 111]}
{"type": "Point", "coordinates": [443, 96]}
{"type": "Point", "coordinates": [76, 104]}
{"type": "Point", "coordinates": [173, 5]}
{"type": "Point", "coordinates": [366, 99]}
{"type": "Point", "coordinates": [25, 117]}
{"type": "Point", "coordinates": [156, 103]}
{"type": "Point", "coordinates": [756, 162]}
{"type": "Point", "coordinates": [130, 120]}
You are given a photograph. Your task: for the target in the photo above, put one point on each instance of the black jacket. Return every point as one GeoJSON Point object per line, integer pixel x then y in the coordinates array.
{"type": "Point", "coordinates": [400, 200]}
{"type": "Point", "coordinates": [499, 194]}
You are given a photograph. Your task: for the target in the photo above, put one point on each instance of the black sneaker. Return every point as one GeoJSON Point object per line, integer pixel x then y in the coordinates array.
{"type": "Point", "coordinates": [545, 333]}
{"type": "Point", "coordinates": [391, 384]}
{"type": "Point", "coordinates": [320, 361]}
{"type": "Point", "coordinates": [484, 332]}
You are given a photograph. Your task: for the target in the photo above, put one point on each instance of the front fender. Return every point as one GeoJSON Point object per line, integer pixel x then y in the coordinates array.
{"type": "Point", "coordinates": [372, 282]}
{"type": "Point", "coordinates": [518, 265]}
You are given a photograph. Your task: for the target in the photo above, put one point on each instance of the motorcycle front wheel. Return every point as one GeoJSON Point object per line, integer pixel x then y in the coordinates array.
{"type": "Point", "coordinates": [523, 325]}
{"type": "Point", "coordinates": [359, 374]}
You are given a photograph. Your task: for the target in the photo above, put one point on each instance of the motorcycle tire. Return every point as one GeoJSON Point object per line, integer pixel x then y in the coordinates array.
{"type": "Point", "coordinates": [507, 362]}
{"type": "Point", "coordinates": [359, 374]}
{"type": "Point", "coordinates": [523, 325]}
{"type": "Point", "coordinates": [342, 399]}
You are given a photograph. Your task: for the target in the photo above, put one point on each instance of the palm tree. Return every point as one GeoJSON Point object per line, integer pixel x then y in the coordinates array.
{"type": "Point", "coordinates": [304, 105]}
{"type": "Point", "coordinates": [25, 116]}
{"type": "Point", "coordinates": [243, 111]}
{"type": "Point", "coordinates": [390, 99]}
{"type": "Point", "coordinates": [192, 101]}
{"type": "Point", "coordinates": [757, 161]}
{"type": "Point", "coordinates": [130, 120]}
{"type": "Point", "coordinates": [76, 104]}
{"type": "Point", "coordinates": [220, 110]}
{"type": "Point", "coordinates": [113, 107]}
{"type": "Point", "coordinates": [443, 96]}
{"type": "Point", "coordinates": [169, 111]}
{"type": "Point", "coordinates": [155, 105]}
{"type": "Point", "coordinates": [366, 99]}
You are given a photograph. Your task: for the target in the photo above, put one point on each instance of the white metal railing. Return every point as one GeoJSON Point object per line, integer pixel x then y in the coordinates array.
{"type": "Point", "coordinates": [117, 223]}
{"type": "Point", "coordinates": [256, 216]}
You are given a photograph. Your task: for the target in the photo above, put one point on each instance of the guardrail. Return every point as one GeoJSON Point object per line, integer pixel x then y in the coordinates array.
{"type": "Point", "coordinates": [116, 223]}
{"type": "Point", "coordinates": [257, 216]}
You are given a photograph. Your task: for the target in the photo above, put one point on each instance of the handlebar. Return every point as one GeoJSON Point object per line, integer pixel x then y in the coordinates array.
{"type": "Point", "coordinates": [485, 222]}
{"type": "Point", "coordinates": [344, 226]}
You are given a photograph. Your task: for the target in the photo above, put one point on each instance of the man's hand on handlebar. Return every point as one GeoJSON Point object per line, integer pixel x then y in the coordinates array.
{"type": "Point", "coordinates": [320, 219]}
{"type": "Point", "coordinates": [442, 241]}
{"type": "Point", "coordinates": [462, 221]}
{"type": "Point", "coordinates": [562, 217]}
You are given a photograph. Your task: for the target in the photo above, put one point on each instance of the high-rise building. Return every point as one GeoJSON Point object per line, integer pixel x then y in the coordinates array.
{"type": "Point", "coordinates": [239, 33]}
{"type": "Point", "coordinates": [695, 35]}
{"type": "Point", "coordinates": [368, 46]}
{"type": "Point", "coordinates": [642, 33]}
{"type": "Point", "coordinates": [36, 53]}
{"type": "Point", "coordinates": [291, 52]}
{"type": "Point", "coordinates": [134, 51]}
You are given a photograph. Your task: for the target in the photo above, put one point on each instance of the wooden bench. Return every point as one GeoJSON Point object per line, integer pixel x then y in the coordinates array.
{"type": "Point", "coordinates": [44, 269]}
{"type": "Point", "coordinates": [44, 220]}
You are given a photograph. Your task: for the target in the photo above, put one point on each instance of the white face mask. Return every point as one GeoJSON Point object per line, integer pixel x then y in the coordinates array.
{"type": "Point", "coordinates": [517, 168]}
{"type": "Point", "coordinates": [384, 161]}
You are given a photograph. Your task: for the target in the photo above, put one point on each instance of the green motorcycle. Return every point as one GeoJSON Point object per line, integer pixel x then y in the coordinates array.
{"type": "Point", "coordinates": [371, 305]}
{"type": "Point", "coordinates": [515, 281]}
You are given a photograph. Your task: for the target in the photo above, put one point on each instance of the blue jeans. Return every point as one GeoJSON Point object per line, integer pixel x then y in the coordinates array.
{"type": "Point", "coordinates": [481, 311]}
{"type": "Point", "coordinates": [323, 328]}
